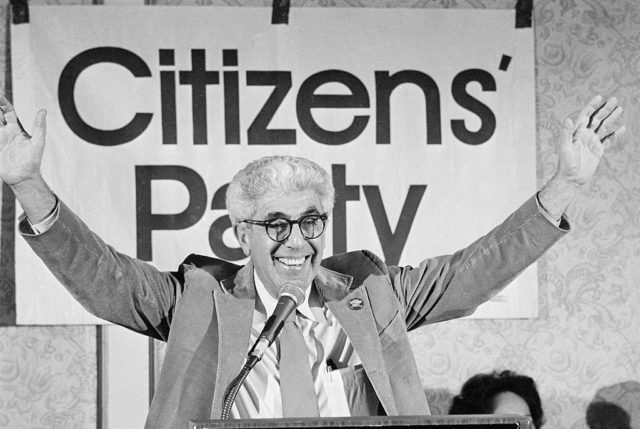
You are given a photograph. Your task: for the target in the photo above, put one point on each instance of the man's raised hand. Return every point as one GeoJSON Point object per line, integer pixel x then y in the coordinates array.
{"type": "Point", "coordinates": [584, 141]}
{"type": "Point", "coordinates": [581, 149]}
{"type": "Point", "coordinates": [20, 153]}
{"type": "Point", "coordinates": [20, 160]}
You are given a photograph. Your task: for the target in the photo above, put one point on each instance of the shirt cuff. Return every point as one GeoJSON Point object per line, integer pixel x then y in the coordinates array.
{"type": "Point", "coordinates": [44, 225]}
{"type": "Point", "coordinates": [546, 214]}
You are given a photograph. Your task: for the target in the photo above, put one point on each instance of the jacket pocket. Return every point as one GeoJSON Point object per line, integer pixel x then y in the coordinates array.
{"type": "Point", "coordinates": [395, 331]}
{"type": "Point", "coordinates": [361, 397]}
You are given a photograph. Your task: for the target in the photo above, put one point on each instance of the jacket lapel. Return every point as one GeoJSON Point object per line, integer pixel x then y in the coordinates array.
{"type": "Point", "coordinates": [234, 305]}
{"type": "Point", "coordinates": [351, 307]}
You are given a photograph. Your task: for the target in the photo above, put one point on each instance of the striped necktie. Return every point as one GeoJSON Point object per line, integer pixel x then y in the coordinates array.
{"type": "Point", "coordinates": [296, 383]}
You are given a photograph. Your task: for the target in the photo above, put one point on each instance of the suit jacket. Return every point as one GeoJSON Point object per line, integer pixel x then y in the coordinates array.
{"type": "Point", "coordinates": [204, 309]}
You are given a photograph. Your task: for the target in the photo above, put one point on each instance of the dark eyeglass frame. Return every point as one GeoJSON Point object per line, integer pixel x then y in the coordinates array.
{"type": "Point", "coordinates": [266, 223]}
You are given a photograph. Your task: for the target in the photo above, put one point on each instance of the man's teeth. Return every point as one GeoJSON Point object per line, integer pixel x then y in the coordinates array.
{"type": "Point", "coordinates": [292, 261]}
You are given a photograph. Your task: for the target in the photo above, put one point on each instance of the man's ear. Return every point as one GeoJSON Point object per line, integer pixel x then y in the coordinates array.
{"type": "Point", "coordinates": [243, 236]}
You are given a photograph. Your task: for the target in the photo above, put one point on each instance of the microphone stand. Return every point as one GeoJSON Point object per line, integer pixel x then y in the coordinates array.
{"type": "Point", "coordinates": [290, 297]}
{"type": "Point", "coordinates": [234, 386]}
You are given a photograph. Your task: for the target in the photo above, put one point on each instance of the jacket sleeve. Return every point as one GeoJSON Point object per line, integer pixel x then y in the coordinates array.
{"type": "Point", "coordinates": [109, 284]}
{"type": "Point", "coordinates": [452, 286]}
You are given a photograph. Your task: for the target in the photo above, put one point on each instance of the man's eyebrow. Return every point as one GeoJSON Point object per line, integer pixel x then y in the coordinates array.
{"type": "Point", "coordinates": [311, 210]}
{"type": "Point", "coordinates": [277, 214]}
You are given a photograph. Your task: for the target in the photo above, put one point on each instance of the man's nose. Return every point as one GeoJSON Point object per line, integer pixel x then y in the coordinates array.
{"type": "Point", "coordinates": [296, 238]}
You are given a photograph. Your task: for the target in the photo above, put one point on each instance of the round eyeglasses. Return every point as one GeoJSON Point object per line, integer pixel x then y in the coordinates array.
{"type": "Point", "coordinates": [311, 226]}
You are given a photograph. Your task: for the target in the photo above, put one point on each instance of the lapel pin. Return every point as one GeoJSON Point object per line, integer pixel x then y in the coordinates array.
{"type": "Point", "coordinates": [355, 304]}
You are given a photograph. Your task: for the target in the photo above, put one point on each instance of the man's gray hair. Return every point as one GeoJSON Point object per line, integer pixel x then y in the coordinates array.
{"type": "Point", "coordinates": [276, 175]}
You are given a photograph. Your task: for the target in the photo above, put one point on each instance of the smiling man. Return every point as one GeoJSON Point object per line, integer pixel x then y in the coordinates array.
{"type": "Point", "coordinates": [279, 207]}
{"type": "Point", "coordinates": [351, 329]}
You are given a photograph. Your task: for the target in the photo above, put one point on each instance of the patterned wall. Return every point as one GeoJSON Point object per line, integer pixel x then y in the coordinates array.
{"type": "Point", "coordinates": [587, 338]}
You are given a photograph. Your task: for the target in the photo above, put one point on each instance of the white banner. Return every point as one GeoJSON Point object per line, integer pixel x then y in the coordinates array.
{"type": "Point", "coordinates": [425, 119]}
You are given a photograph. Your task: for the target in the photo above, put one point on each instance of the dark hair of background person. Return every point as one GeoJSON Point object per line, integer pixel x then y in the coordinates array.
{"type": "Point", "coordinates": [605, 415]}
{"type": "Point", "coordinates": [478, 393]}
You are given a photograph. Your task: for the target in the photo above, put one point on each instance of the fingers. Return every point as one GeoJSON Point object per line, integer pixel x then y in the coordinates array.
{"type": "Point", "coordinates": [586, 113]}
{"type": "Point", "coordinates": [601, 111]}
{"type": "Point", "coordinates": [600, 118]}
{"type": "Point", "coordinates": [8, 112]}
{"type": "Point", "coordinates": [604, 112]}
{"type": "Point", "coordinates": [606, 122]}
{"type": "Point", "coordinates": [569, 130]}
{"type": "Point", "coordinates": [40, 126]}
{"type": "Point", "coordinates": [8, 115]}
{"type": "Point", "coordinates": [5, 106]}
{"type": "Point", "coordinates": [612, 136]}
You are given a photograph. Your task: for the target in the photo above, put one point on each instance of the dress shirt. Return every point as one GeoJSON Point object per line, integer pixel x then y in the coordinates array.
{"type": "Point", "coordinates": [45, 224]}
{"type": "Point", "coordinates": [332, 358]}
{"type": "Point", "coordinates": [546, 214]}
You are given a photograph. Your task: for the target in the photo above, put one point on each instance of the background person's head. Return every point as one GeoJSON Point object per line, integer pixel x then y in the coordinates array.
{"type": "Point", "coordinates": [288, 188]}
{"type": "Point", "coordinates": [499, 393]}
{"type": "Point", "coordinates": [605, 415]}
{"type": "Point", "coordinates": [615, 406]}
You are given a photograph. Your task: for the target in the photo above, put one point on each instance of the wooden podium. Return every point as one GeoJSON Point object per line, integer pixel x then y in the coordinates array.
{"type": "Point", "coordinates": [407, 422]}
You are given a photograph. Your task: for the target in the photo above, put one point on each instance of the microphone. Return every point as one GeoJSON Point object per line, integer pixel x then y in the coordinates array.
{"type": "Point", "coordinates": [289, 297]}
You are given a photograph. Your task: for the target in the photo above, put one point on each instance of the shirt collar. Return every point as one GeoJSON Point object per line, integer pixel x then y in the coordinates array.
{"type": "Point", "coordinates": [311, 299]}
